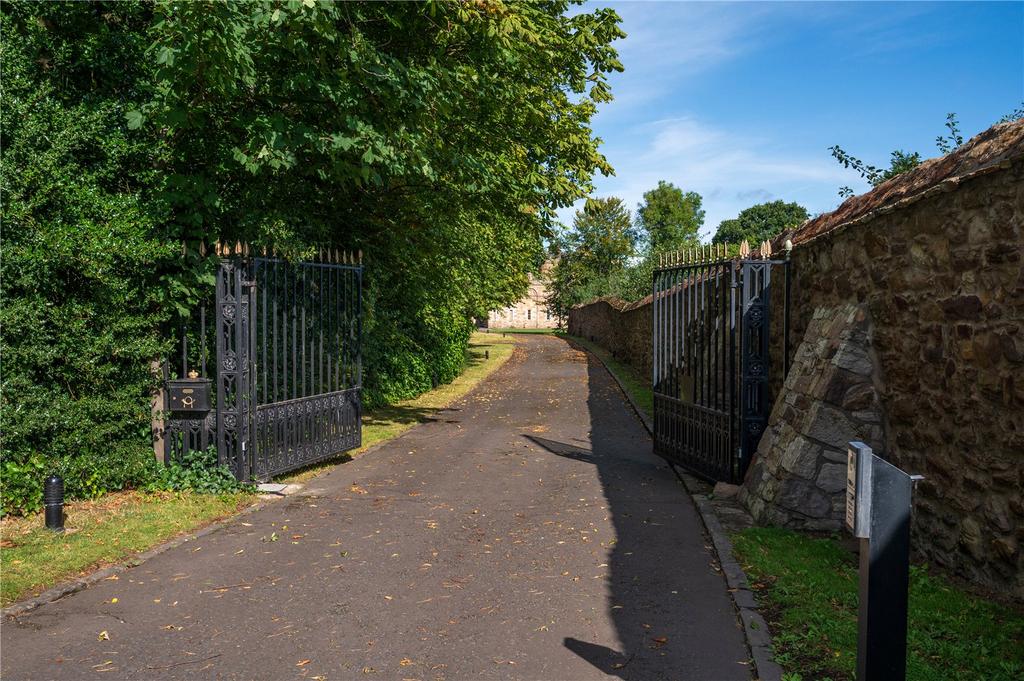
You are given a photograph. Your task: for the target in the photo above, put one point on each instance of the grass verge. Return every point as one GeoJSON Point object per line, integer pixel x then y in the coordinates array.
{"type": "Point", "coordinates": [807, 587]}
{"type": "Point", "coordinates": [101, 532]}
{"type": "Point", "coordinates": [116, 526]}
{"type": "Point", "coordinates": [638, 387]}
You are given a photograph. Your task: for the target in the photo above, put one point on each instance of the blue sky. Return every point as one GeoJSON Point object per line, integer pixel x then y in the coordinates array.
{"type": "Point", "coordinates": [740, 101]}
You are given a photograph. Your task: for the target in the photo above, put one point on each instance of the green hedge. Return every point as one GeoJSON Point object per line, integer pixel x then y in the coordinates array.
{"type": "Point", "coordinates": [78, 283]}
{"type": "Point", "coordinates": [440, 139]}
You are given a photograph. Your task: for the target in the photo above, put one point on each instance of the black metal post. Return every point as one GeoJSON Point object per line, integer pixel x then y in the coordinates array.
{"type": "Point", "coordinates": [53, 502]}
{"type": "Point", "coordinates": [885, 577]}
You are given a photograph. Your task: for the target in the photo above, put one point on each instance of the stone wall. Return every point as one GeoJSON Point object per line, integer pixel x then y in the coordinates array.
{"type": "Point", "coordinates": [830, 397]}
{"type": "Point", "coordinates": [940, 282]}
{"type": "Point", "coordinates": [907, 330]}
{"type": "Point", "coordinates": [624, 329]}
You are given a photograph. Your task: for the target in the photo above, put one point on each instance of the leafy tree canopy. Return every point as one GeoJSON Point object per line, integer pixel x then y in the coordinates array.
{"type": "Point", "coordinates": [602, 236]}
{"type": "Point", "coordinates": [595, 249]}
{"type": "Point", "coordinates": [438, 137]}
{"type": "Point", "coordinates": [671, 218]}
{"type": "Point", "coordinates": [760, 222]}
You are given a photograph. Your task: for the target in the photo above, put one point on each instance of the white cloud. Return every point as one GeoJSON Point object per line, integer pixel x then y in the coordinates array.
{"type": "Point", "coordinates": [731, 170]}
{"type": "Point", "coordinates": [671, 48]}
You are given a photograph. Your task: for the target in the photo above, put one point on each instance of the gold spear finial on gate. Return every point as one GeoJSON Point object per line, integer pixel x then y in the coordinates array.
{"type": "Point", "coordinates": [766, 249]}
{"type": "Point", "coordinates": [744, 249]}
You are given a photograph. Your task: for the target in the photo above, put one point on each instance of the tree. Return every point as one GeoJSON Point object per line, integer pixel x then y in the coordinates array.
{"type": "Point", "coordinates": [439, 138]}
{"type": "Point", "coordinates": [760, 222]}
{"type": "Point", "coordinates": [671, 218]}
{"type": "Point", "coordinates": [603, 237]}
{"type": "Point", "coordinates": [593, 255]}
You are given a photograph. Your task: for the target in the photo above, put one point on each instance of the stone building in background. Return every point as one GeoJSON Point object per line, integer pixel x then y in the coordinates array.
{"type": "Point", "coordinates": [531, 311]}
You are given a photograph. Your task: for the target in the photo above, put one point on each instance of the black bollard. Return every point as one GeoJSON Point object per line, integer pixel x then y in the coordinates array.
{"type": "Point", "coordinates": [53, 502]}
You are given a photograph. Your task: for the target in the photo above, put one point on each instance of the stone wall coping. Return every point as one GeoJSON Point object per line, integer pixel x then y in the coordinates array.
{"type": "Point", "coordinates": [616, 303]}
{"type": "Point", "coordinates": [993, 150]}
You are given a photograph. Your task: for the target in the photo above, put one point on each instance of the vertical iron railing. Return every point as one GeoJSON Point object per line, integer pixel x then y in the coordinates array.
{"type": "Point", "coordinates": [711, 396]}
{"type": "Point", "coordinates": [282, 347]}
{"type": "Point", "coordinates": [309, 363]}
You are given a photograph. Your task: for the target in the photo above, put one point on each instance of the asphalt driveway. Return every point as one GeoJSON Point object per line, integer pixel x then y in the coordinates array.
{"type": "Point", "coordinates": [525, 533]}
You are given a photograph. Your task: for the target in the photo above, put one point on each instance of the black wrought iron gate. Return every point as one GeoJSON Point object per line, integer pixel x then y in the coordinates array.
{"type": "Point", "coordinates": [711, 361]}
{"type": "Point", "coordinates": [284, 388]}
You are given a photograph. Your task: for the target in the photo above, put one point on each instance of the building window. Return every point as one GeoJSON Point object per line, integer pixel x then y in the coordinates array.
{"type": "Point", "coordinates": [528, 313]}
{"type": "Point", "coordinates": [547, 314]}
{"type": "Point", "coordinates": [512, 313]}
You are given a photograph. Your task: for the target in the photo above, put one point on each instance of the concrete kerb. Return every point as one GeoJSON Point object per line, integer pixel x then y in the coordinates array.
{"type": "Point", "coordinates": [755, 629]}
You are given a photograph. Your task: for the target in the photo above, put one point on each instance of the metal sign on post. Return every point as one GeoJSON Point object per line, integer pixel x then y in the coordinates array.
{"type": "Point", "coordinates": [858, 490]}
{"type": "Point", "coordinates": [878, 502]}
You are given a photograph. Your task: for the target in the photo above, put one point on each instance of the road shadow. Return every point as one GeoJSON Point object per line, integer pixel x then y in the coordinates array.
{"type": "Point", "coordinates": [669, 605]}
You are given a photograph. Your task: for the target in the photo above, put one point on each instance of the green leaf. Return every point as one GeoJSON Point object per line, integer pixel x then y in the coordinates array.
{"type": "Point", "coordinates": [135, 119]}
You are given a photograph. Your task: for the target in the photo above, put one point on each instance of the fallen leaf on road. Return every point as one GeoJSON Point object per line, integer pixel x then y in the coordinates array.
{"type": "Point", "coordinates": [303, 663]}
{"type": "Point", "coordinates": [104, 636]}
{"type": "Point", "coordinates": [405, 662]}
{"type": "Point", "coordinates": [358, 490]}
